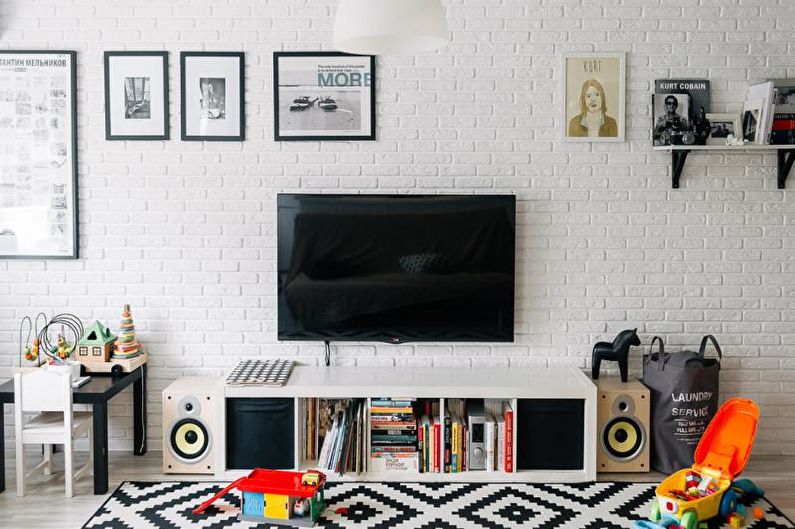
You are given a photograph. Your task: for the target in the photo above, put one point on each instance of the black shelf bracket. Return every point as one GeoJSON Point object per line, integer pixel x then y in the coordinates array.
{"type": "Point", "coordinates": [786, 157]}
{"type": "Point", "coordinates": [678, 158]}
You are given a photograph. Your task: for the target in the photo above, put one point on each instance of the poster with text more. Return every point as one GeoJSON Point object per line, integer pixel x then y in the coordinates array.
{"type": "Point", "coordinates": [323, 96]}
{"type": "Point", "coordinates": [38, 157]}
{"type": "Point", "coordinates": [212, 88]}
{"type": "Point", "coordinates": [136, 95]}
{"type": "Point", "coordinates": [594, 88]}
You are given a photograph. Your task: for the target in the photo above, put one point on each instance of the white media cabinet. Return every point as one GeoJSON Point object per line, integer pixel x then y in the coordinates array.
{"type": "Point", "coordinates": [520, 386]}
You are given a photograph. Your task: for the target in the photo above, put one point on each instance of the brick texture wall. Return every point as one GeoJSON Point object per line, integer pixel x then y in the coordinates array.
{"type": "Point", "coordinates": [185, 231]}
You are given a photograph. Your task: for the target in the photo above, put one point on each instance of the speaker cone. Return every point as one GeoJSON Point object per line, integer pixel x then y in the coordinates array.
{"type": "Point", "coordinates": [623, 438]}
{"type": "Point", "coordinates": [189, 440]}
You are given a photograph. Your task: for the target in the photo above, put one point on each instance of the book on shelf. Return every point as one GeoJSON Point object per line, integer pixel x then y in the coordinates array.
{"type": "Point", "coordinates": [764, 92]}
{"type": "Point", "coordinates": [394, 462]}
{"type": "Point", "coordinates": [500, 443]}
{"type": "Point", "coordinates": [508, 413]}
{"type": "Point", "coordinates": [490, 440]}
{"type": "Point", "coordinates": [448, 444]}
{"type": "Point", "coordinates": [676, 105]}
{"type": "Point", "coordinates": [783, 126]}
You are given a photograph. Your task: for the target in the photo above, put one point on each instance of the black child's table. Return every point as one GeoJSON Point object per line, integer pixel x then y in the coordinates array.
{"type": "Point", "coordinates": [96, 393]}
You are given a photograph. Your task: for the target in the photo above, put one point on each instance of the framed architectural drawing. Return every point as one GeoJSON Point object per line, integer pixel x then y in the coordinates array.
{"type": "Point", "coordinates": [38, 154]}
{"type": "Point", "coordinates": [593, 88]}
{"type": "Point", "coordinates": [136, 95]}
{"type": "Point", "coordinates": [321, 95]}
{"type": "Point", "coordinates": [212, 85]}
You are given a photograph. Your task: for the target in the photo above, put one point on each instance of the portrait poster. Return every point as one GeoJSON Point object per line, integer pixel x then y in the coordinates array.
{"type": "Point", "coordinates": [136, 95]}
{"type": "Point", "coordinates": [38, 154]}
{"type": "Point", "coordinates": [594, 87]}
{"type": "Point", "coordinates": [323, 96]}
{"type": "Point", "coordinates": [212, 86]}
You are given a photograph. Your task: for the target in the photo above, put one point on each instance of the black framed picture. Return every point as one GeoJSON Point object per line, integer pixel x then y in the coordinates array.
{"type": "Point", "coordinates": [212, 88]}
{"type": "Point", "coordinates": [136, 95]}
{"type": "Point", "coordinates": [321, 95]}
{"type": "Point", "coordinates": [38, 157]}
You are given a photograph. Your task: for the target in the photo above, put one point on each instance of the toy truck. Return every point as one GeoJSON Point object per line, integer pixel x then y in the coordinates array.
{"type": "Point", "coordinates": [277, 497]}
{"type": "Point", "coordinates": [708, 489]}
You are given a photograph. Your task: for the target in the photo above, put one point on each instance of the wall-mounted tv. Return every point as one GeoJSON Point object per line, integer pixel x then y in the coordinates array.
{"type": "Point", "coordinates": [396, 268]}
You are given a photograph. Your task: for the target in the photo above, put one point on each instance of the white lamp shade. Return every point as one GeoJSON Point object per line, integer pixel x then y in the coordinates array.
{"type": "Point", "coordinates": [378, 27]}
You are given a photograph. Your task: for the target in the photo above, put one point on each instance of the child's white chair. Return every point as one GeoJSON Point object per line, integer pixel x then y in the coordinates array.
{"type": "Point", "coordinates": [48, 394]}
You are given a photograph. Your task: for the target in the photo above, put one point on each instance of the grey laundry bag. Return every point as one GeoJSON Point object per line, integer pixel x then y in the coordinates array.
{"type": "Point", "coordinates": [684, 397]}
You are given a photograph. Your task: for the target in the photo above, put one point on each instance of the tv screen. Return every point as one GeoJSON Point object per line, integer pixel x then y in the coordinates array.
{"type": "Point", "coordinates": [396, 268]}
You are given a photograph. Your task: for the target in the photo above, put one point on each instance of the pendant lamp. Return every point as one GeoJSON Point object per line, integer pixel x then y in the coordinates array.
{"type": "Point", "coordinates": [379, 27]}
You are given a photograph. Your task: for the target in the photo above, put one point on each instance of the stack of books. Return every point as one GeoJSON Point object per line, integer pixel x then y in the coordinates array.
{"type": "Point", "coordinates": [783, 127]}
{"type": "Point", "coordinates": [343, 442]}
{"type": "Point", "coordinates": [393, 436]}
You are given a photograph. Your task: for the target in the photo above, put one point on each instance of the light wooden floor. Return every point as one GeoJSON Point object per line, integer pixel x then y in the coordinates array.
{"type": "Point", "coordinates": [45, 505]}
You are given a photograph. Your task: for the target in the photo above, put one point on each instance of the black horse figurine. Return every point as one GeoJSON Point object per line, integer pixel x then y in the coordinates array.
{"type": "Point", "coordinates": [618, 350]}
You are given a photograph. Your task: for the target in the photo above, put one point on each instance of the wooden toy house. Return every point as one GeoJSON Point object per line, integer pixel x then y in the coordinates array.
{"type": "Point", "coordinates": [278, 497]}
{"type": "Point", "coordinates": [96, 345]}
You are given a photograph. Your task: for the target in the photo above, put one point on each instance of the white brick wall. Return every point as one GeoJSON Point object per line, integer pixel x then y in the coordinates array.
{"type": "Point", "coordinates": [184, 231]}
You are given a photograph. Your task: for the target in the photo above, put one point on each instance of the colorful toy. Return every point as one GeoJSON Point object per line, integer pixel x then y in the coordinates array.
{"type": "Point", "coordinates": [96, 344]}
{"type": "Point", "coordinates": [126, 346]}
{"type": "Point", "coordinates": [278, 497]}
{"type": "Point", "coordinates": [708, 489]}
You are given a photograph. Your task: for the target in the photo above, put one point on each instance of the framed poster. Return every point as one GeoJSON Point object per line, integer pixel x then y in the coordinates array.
{"type": "Point", "coordinates": [38, 154]}
{"type": "Point", "coordinates": [321, 95]}
{"type": "Point", "coordinates": [593, 88]}
{"type": "Point", "coordinates": [136, 95]}
{"type": "Point", "coordinates": [212, 86]}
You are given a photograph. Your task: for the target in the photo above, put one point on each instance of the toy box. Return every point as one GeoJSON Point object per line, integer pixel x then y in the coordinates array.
{"type": "Point", "coordinates": [708, 489]}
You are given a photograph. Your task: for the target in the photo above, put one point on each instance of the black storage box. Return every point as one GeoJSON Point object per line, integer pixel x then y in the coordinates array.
{"type": "Point", "coordinates": [550, 434]}
{"type": "Point", "coordinates": [260, 433]}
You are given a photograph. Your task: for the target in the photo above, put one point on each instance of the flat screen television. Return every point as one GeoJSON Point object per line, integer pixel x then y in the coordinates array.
{"type": "Point", "coordinates": [396, 268]}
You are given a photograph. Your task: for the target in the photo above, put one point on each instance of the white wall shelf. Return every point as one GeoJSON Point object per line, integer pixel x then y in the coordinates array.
{"type": "Point", "coordinates": [439, 382]}
{"type": "Point", "coordinates": [785, 155]}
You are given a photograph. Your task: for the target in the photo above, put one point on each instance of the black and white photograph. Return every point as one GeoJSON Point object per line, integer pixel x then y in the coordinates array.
{"type": "Point", "coordinates": [323, 96]}
{"type": "Point", "coordinates": [753, 116]}
{"type": "Point", "coordinates": [136, 95]}
{"type": "Point", "coordinates": [721, 126]}
{"type": "Point", "coordinates": [212, 86]}
{"type": "Point", "coordinates": [213, 90]}
{"type": "Point", "coordinates": [671, 113]}
{"type": "Point", "coordinates": [38, 169]}
{"type": "Point", "coordinates": [594, 97]}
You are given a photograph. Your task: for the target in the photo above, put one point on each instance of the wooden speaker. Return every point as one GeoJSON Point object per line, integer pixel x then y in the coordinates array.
{"type": "Point", "coordinates": [190, 426]}
{"type": "Point", "coordinates": [622, 425]}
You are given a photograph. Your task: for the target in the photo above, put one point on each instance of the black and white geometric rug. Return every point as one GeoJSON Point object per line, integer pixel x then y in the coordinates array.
{"type": "Point", "coordinates": [605, 505]}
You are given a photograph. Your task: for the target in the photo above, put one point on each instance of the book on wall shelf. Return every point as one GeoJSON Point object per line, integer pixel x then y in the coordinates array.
{"type": "Point", "coordinates": [677, 105]}
{"type": "Point", "coordinates": [783, 122]}
{"type": "Point", "coordinates": [760, 98]}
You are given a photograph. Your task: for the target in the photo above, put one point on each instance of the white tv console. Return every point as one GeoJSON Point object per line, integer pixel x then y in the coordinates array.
{"type": "Point", "coordinates": [520, 386]}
